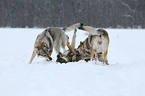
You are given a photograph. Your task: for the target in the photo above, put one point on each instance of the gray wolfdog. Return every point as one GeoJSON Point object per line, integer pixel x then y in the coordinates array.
{"type": "Point", "coordinates": [96, 44]}
{"type": "Point", "coordinates": [51, 38]}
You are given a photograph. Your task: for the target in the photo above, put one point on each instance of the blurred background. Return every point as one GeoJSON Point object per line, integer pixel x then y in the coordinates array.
{"type": "Point", "coordinates": [62, 13]}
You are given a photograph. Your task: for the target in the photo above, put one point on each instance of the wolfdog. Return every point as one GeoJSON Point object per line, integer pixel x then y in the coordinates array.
{"type": "Point", "coordinates": [96, 45]}
{"type": "Point", "coordinates": [51, 38]}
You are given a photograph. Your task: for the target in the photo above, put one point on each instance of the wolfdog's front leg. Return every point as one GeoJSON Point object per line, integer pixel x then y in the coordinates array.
{"type": "Point", "coordinates": [92, 53]}
{"type": "Point", "coordinates": [33, 56]}
{"type": "Point", "coordinates": [104, 57]}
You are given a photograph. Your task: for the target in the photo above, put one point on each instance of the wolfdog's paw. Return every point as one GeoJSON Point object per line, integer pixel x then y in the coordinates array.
{"type": "Point", "coordinates": [50, 59]}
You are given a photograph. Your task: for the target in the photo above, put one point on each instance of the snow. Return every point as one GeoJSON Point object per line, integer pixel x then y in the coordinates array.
{"type": "Point", "coordinates": [125, 76]}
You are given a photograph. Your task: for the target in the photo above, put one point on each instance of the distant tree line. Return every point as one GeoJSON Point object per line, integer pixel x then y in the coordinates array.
{"type": "Point", "coordinates": [60, 13]}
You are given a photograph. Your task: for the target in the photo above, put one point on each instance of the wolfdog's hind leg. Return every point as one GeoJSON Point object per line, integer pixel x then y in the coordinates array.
{"type": "Point", "coordinates": [74, 39]}
{"type": "Point", "coordinates": [57, 48]}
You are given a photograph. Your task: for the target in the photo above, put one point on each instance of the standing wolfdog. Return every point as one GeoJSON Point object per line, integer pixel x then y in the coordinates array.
{"type": "Point", "coordinates": [96, 44]}
{"type": "Point", "coordinates": [51, 38]}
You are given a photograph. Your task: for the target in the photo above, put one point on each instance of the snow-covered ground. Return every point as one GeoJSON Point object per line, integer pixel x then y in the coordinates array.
{"type": "Point", "coordinates": [125, 76]}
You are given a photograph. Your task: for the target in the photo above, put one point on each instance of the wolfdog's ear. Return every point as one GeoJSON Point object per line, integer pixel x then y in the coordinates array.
{"type": "Point", "coordinates": [81, 24]}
